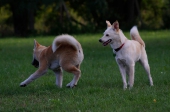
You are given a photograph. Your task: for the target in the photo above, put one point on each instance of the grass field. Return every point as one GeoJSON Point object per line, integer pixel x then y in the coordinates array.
{"type": "Point", "coordinates": [100, 87]}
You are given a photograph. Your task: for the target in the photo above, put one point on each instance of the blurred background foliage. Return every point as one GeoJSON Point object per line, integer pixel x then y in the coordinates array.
{"type": "Point", "coordinates": [53, 17]}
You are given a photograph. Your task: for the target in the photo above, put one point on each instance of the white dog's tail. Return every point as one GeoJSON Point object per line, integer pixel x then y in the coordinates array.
{"type": "Point", "coordinates": [135, 35]}
{"type": "Point", "coordinates": [64, 40]}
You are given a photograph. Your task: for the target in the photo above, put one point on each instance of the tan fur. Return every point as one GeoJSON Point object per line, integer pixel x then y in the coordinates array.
{"type": "Point", "coordinates": [139, 40]}
{"type": "Point", "coordinates": [116, 26]}
{"type": "Point", "coordinates": [66, 57]}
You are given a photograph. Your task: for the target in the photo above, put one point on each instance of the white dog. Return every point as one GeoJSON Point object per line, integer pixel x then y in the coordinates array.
{"type": "Point", "coordinates": [127, 51]}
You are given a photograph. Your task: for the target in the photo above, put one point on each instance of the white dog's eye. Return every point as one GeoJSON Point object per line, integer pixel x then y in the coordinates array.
{"type": "Point", "coordinates": [107, 35]}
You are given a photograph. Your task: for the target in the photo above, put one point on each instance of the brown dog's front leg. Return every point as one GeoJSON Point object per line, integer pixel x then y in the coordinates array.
{"type": "Point", "coordinates": [59, 77]}
{"type": "Point", "coordinates": [32, 77]}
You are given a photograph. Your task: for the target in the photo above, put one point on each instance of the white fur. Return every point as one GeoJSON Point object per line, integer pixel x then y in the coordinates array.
{"type": "Point", "coordinates": [134, 31]}
{"type": "Point", "coordinates": [64, 38]}
{"type": "Point", "coordinates": [135, 35]}
{"type": "Point", "coordinates": [129, 54]}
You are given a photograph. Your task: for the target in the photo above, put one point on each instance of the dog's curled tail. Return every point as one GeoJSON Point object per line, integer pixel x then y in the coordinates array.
{"type": "Point", "coordinates": [135, 35]}
{"type": "Point", "coordinates": [64, 40]}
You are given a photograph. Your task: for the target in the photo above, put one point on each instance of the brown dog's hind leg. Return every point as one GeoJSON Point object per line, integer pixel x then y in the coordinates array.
{"type": "Point", "coordinates": [76, 71]}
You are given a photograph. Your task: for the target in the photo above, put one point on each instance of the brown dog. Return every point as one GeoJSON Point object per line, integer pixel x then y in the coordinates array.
{"type": "Point", "coordinates": [65, 53]}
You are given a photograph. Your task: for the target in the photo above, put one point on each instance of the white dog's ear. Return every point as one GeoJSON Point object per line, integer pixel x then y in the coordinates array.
{"type": "Point", "coordinates": [108, 23]}
{"type": "Point", "coordinates": [116, 25]}
{"type": "Point", "coordinates": [36, 44]}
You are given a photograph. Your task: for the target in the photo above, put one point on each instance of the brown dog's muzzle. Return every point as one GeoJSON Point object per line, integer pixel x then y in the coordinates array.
{"type": "Point", "coordinates": [35, 63]}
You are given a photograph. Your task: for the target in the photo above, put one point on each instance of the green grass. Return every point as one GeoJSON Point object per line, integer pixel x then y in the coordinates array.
{"type": "Point", "coordinates": [100, 87]}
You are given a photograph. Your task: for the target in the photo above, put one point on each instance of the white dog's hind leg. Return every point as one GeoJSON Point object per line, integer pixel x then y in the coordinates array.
{"type": "Point", "coordinates": [145, 64]}
{"type": "Point", "coordinates": [59, 77]}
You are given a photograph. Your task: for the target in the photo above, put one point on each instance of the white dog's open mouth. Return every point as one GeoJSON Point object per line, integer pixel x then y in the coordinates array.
{"type": "Point", "coordinates": [107, 42]}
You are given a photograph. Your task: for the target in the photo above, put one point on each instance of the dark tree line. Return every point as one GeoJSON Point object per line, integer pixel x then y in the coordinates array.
{"type": "Point", "coordinates": [23, 14]}
{"type": "Point", "coordinates": [71, 16]}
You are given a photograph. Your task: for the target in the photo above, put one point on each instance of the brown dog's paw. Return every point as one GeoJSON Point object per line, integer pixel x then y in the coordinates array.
{"type": "Point", "coordinates": [71, 86]}
{"type": "Point", "coordinates": [24, 85]}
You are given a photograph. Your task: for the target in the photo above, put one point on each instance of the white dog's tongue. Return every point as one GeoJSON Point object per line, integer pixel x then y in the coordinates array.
{"type": "Point", "coordinates": [107, 42]}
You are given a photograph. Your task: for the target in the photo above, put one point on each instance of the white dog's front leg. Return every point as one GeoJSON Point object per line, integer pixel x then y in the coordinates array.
{"type": "Point", "coordinates": [32, 77]}
{"type": "Point", "coordinates": [130, 72]}
{"type": "Point", "coordinates": [123, 73]}
{"type": "Point", "coordinates": [59, 77]}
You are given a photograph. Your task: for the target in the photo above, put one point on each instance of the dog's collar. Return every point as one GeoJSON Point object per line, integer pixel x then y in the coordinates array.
{"type": "Point", "coordinates": [119, 47]}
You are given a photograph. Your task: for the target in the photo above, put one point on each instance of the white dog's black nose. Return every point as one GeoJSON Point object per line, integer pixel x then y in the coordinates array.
{"type": "Point", "coordinates": [100, 40]}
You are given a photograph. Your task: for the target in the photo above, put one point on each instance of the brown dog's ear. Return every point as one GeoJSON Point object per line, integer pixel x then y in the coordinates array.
{"type": "Point", "coordinates": [36, 44]}
{"type": "Point", "coordinates": [108, 24]}
{"type": "Point", "coordinates": [116, 25]}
